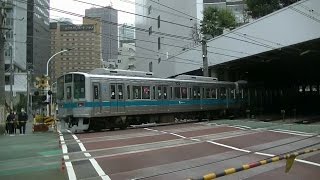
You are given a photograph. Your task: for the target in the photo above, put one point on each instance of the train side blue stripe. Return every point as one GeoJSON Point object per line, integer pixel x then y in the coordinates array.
{"type": "Point", "coordinates": [132, 103]}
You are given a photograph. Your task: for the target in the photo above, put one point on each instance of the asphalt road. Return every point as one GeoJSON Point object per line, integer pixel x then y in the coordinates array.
{"type": "Point", "coordinates": [187, 151]}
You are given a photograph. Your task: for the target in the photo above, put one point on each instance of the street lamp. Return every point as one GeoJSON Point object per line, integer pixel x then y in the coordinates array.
{"type": "Point", "coordinates": [65, 50]}
{"type": "Point", "coordinates": [47, 74]}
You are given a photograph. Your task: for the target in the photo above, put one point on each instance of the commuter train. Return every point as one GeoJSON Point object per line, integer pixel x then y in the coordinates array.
{"type": "Point", "coordinates": [108, 99]}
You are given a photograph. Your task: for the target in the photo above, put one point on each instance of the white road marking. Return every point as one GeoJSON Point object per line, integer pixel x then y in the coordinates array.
{"type": "Point", "coordinates": [178, 135]}
{"type": "Point", "coordinates": [75, 137]}
{"type": "Point", "coordinates": [238, 127]}
{"type": "Point", "coordinates": [98, 169]}
{"type": "Point", "coordinates": [71, 173]}
{"type": "Point", "coordinates": [308, 162]}
{"type": "Point", "coordinates": [243, 126]}
{"type": "Point", "coordinates": [87, 154]}
{"type": "Point", "coordinates": [298, 132]}
{"type": "Point", "coordinates": [285, 132]}
{"type": "Point", "coordinates": [230, 147]}
{"type": "Point", "coordinates": [247, 151]}
{"type": "Point", "coordinates": [151, 129]}
{"type": "Point", "coordinates": [66, 157]}
{"type": "Point", "coordinates": [94, 163]}
{"type": "Point", "coordinates": [69, 167]}
{"type": "Point", "coordinates": [64, 149]}
{"type": "Point", "coordinates": [264, 154]}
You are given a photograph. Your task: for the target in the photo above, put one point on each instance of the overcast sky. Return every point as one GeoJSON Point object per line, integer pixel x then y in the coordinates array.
{"type": "Point", "coordinates": [79, 8]}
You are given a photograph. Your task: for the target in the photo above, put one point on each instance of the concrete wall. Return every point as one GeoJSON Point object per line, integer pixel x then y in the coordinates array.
{"type": "Point", "coordinates": [148, 52]}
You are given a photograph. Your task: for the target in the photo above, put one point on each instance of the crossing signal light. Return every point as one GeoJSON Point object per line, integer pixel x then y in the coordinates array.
{"type": "Point", "coordinates": [44, 98]}
{"type": "Point", "coordinates": [36, 93]}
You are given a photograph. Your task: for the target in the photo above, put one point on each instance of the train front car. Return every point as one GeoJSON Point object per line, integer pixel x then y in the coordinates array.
{"type": "Point", "coordinates": [71, 99]}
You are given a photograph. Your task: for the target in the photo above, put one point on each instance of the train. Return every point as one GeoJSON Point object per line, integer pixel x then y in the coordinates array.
{"type": "Point", "coordinates": [112, 98]}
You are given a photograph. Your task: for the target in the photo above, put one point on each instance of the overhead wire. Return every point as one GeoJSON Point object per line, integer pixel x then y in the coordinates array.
{"type": "Point", "coordinates": [168, 45]}
{"type": "Point", "coordinates": [194, 62]}
{"type": "Point", "coordinates": [104, 21]}
{"type": "Point", "coordinates": [148, 17]}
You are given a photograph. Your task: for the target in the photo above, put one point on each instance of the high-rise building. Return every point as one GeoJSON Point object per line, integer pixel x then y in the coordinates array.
{"type": "Point", "coordinates": [38, 36]}
{"type": "Point", "coordinates": [84, 40]}
{"type": "Point", "coordinates": [161, 41]}
{"type": "Point", "coordinates": [109, 30]}
{"type": "Point", "coordinates": [126, 34]}
{"type": "Point", "coordinates": [15, 49]}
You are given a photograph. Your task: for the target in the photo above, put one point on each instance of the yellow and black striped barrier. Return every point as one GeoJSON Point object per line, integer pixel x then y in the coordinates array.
{"type": "Point", "coordinates": [290, 159]}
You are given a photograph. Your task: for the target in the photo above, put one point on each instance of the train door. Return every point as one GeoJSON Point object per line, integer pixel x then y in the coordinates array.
{"type": "Point", "coordinates": [163, 97]}
{"type": "Point", "coordinates": [117, 98]}
{"type": "Point", "coordinates": [96, 98]}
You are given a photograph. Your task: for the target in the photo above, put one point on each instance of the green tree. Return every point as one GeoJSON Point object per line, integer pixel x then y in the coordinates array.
{"type": "Point", "coordinates": [259, 8]}
{"type": "Point", "coordinates": [216, 20]}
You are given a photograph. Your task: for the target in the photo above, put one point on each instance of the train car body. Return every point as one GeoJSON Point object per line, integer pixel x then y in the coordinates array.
{"type": "Point", "coordinates": [113, 98]}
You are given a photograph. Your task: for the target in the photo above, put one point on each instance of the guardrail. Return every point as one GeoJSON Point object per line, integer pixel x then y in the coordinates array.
{"type": "Point", "coordinates": [290, 159]}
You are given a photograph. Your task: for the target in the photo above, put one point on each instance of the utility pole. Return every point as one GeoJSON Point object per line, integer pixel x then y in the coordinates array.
{"type": "Point", "coordinates": [11, 77]}
{"type": "Point", "coordinates": [2, 77]}
{"type": "Point", "coordinates": [205, 57]}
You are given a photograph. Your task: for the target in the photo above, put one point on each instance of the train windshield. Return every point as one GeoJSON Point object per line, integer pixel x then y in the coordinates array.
{"type": "Point", "coordinates": [79, 86]}
{"type": "Point", "coordinates": [60, 88]}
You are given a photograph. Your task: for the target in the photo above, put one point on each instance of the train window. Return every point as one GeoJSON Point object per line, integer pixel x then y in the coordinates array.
{"type": "Point", "coordinates": [95, 92]}
{"type": "Point", "coordinates": [153, 92]}
{"type": "Point", "coordinates": [113, 91]}
{"type": "Point", "coordinates": [190, 93]}
{"type": "Point", "coordinates": [69, 93]}
{"type": "Point", "coordinates": [159, 92]}
{"type": "Point", "coordinates": [165, 93]}
{"type": "Point", "coordinates": [120, 91]}
{"type": "Point", "coordinates": [184, 93]}
{"type": "Point", "coordinates": [241, 91]}
{"type": "Point", "coordinates": [171, 93]}
{"type": "Point", "coordinates": [211, 93]}
{"type": "Point", "coordinates": [232, 94]}
{"type": "Point", "coordinates": [79, 86]}
{"type": "Point", "coordinates": [223, 93]}
{"type": "Point", "coordinates": [146, 92]}
{"type": "Point", "coordinates": [177, 93]}
{"type": "Point", "coordinates": [196, 93]}
{"type": "Point", "coordinates": [136, 92]}
{"type": "Point", "coordinates": [314, 88]}
{"type": "Point", "coordinates": [307, 89]}
{"type": "Point", "coordinates": [300, 89]}
{"type": "Point", "coordinates": [128, 91]}
{"type": "Point", "coordinates": [68, 78]}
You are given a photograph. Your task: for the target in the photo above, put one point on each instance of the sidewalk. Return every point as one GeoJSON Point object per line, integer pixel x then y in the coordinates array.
{"type": "Point", "coordinates": [31, 156]}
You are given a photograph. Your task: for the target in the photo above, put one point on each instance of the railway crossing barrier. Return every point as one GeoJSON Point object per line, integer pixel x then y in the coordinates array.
{"type": "Point", "coordinates": [289, 157]}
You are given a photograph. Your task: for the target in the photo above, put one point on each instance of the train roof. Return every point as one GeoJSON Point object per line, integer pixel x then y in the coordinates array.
{"type": "Point", "coordinates": [150, 78]}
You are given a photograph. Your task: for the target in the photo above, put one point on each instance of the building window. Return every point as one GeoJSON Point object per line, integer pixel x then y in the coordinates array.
{"type": "Point", "coordinates": [150, 30]}
{"type": "Point", "coordinates": [119, 60]}
{"type": "Point", "coordinates": [159, 44]}
{"type": "Point", "coordinates": [149, 9]}
{"type": "Point", "coordinates": [159, 21]}
{"type": "Point", "coordinates": [7, 80]}
{"type": "Point", "coordinates": [150, 66]}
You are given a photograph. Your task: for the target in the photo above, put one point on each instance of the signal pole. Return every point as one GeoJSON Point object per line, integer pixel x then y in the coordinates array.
{"type": "Point", "coordinates": [2, 81]}
{"type": "Point", "coordinates": [205, 57]}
